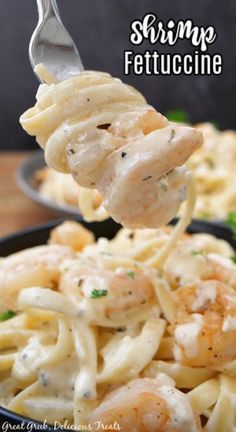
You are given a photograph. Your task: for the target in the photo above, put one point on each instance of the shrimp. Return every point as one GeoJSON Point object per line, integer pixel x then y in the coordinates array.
{"type": "Point", "coordinates": [110, 292]}
{"type": "Point", "coordinates": [35, 266]}
{"type": "Point", "coordinates": [201, 258]}
{"type": "Point", "coordinates": [71, 234]}
{"type": "Point", "coordinates": [145, 186]}
{"type": "Point", "coordinates": [108, 137]}
{"type": "Point", "coordinates": [205, 329]}
{"type": "Point", "coordinates": [144, 406]}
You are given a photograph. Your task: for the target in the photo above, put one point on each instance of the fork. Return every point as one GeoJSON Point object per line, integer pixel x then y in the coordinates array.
{"type": "Point", "coordinates": [52, 45]}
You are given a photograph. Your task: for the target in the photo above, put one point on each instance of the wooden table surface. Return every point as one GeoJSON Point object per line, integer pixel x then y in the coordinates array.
{"type": "Point", "coordinates": [17, 211]}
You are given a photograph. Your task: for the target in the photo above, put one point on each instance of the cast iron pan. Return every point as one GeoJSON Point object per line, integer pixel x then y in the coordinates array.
{"type": "Point", "coordinates": [39, 235]}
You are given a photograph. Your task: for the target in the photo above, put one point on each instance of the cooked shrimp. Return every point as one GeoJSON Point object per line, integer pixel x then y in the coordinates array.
{"type": "Point", "coordinates": [35, 266]}
{"type": "Point", "coordinates": [201, 258]}
{"type": "Point", "coordinates": [205, 329]}
{"type": "Point", "coordinates": [105, 134]}
{"type": "Point", "coordinates": [144, 406]}
{"type": "Point", "coordinates": [110, 292]}
{"type": "Point", "coordinates": [71, 234]}
{"type": "Point", "coordinates": [145, 187]}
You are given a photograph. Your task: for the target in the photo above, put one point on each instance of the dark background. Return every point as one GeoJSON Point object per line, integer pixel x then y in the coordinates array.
{"type": "Point", "coordinates": [101, 31]}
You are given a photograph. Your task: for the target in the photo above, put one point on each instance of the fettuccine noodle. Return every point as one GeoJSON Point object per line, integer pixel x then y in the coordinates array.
{"type": "Point", "coordinates": [108, 329]}
{"type": "Point", "coordinates": [104, 133]}
{"type": "Point", "coordinates": [138, 331]}
{"type": "Point", "coordinates": [214, 168]}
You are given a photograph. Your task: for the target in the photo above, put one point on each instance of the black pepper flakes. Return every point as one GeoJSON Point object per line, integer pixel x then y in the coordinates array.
{"type": "Point", "coordinates": [104, 126]}
{"type": "Point", "coordinates": [80, 282]}
{"type": "Point", "coordinates": [121, 329]}
{"type": "Point", "coordinates": [172, 135]}
{"type": "Point", "coordinates": [147, 178]}
{"type": "Point", "coordinates": [87, 395]}
{"type": "Point", "coordinates": [71, 151]}
{"type": "Point", "coordinates": [123, 154]}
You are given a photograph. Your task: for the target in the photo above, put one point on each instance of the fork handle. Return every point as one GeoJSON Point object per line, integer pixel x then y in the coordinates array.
{"type": "Point", "coordinates": [47, 8]}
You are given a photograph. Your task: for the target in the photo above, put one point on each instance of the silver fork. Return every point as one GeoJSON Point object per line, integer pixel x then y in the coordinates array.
{"type": "Point", "coordinates": [52, 45]}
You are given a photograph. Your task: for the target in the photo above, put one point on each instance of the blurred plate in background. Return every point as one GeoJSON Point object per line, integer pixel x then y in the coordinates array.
{"type": "Point", "coordinates": [26, 180]}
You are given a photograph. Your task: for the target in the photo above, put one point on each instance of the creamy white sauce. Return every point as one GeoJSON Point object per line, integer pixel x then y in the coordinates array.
{"type": "Point", "coordinates": [178, 355]}
{"type": "Point", "coordinates": [229, 324]}
{"type": "Point", "coordinates": [186, 336]}
{"type": "Point", "coordinates": [163, 379]}
{"type": "Point", "coordinates": [181, 413]}
{"type": "Point", "coordinates": [183, 265]}
{"type": "Point", "coordinates": [230, 298]}
{"type": "Point", "coordinates": [224, 261]}
{"type": "Point", "coordinates": [205, 296]}
{"type": "Point", "coordinates": [93, 282]}
{"type": "Point", "coordinates": [182, 193]}
{"type": "Point", "coordinates": [121, 271]}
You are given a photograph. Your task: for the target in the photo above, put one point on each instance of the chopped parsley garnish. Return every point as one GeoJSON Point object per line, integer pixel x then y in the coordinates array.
{"type": "Point", "coordinates": [172, 134]}
{"type": "Point", "coordinates": [233, 258]}
{"type": "Point", "coordinates": [106, 253]}
{"type": "Point", "coordinates": [231, 221]}
{"type": "Point", "coordinates": [43, 378]}
{"type": "Point", "coordinates": [6, 315]}
{"type": "Point", "coordinates": [178, 115]}
{"type": "Point", "coordinates": [163, 187]}
{"type": "Point", "coordinates": [130, 274]}
{"type": "Point", "coordinates": [205, 215]}
{"type": "Point", "coordinates": [97, 293]}
{"type": "Point", "coordinates": [196, 252]}
{"type": "Point", "coordinates": [216, 124]}
{"type": "Point", "coordinates": [210, 163]}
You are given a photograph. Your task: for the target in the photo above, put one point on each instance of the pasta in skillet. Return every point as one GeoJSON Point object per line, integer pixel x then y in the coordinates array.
{"type": "Point", "coordinates": [101, 335]}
